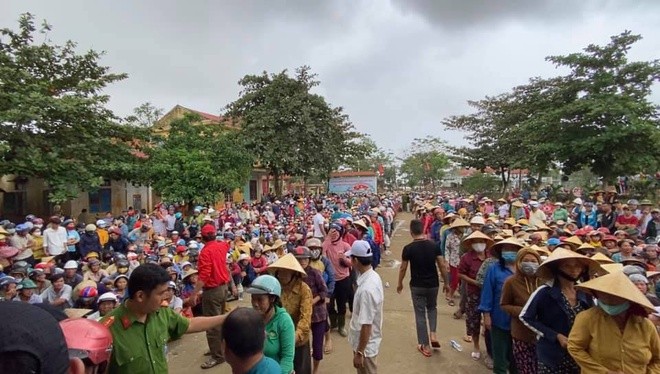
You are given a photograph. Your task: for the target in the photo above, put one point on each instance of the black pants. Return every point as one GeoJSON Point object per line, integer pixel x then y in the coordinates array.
{"type": "Point", "coordinates": [302, 360]}
{"type": "Point", "coordinates": [341, 296]}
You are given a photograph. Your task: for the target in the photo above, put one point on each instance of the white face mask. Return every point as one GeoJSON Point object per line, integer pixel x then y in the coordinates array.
{"type": "Point", "coordinates": [479, 247]}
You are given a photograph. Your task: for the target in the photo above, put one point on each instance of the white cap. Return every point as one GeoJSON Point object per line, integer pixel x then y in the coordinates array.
{"type": "Point", "coordinates": [577, 201]}
{"type": "Point", "coordinates": [71, 265]}
{"type": "Point", "coordinates": [101, 223]}
{"type": "Point", "coordinates": [477, 220]}
{"type": "Point", "coordinates": [360, 248]}
{"type": "Point", "coordinates": [108, 296]}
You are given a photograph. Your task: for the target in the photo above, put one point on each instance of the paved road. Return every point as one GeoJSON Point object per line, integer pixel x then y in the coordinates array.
{"type": "Point", "coordinates": [398, 353]}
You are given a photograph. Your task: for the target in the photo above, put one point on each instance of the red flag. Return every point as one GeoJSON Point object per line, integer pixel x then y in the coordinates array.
{"type": "Point", "coordinates": [381, 169]}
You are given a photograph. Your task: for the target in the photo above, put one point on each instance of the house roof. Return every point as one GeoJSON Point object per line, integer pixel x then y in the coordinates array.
{"type": "Point", "coordinates": [207, 116]}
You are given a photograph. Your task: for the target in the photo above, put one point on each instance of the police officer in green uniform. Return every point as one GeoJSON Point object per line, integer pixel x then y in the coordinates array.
{"type": "Point", "coordinates": [143, 324]}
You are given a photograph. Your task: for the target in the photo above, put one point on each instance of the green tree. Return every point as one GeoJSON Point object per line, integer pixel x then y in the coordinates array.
{"type": "Point", "coordinates": [291, 130]}
{"type": "Point", "coordinates": [496, 140]}
{"type": "Point", "coordinates": [480, 183]}
{"type": "Point", "coordinates": [425, 163]}
{"type": "Point", "coordinates": [599, 115]}
{"type": "Point", "coordinates": [197, 164]}
{"type": "Point", "coordinates": [144, 115]}
{"type": "Point", "coordinates": [53, 115]}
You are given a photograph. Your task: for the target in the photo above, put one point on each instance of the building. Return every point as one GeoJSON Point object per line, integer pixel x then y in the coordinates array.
{"type": "Point", "coordinates": [20, 196]}
{"type": "Point", "coordinates": [259, 183]}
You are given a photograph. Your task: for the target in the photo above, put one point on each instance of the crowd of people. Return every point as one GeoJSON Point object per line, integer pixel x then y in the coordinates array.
{"type": "Point", "coordinates": [168, 272]}
{"type": "Point", "coordinates": [550, 286]}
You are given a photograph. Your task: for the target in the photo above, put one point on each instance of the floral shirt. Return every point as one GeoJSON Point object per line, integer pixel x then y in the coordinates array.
{"type": "Point", "coordinates": [453, 249]}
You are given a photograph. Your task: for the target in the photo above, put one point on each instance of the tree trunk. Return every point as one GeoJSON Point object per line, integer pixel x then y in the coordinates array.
{"type": "Point", "coordinates": [277, 183]}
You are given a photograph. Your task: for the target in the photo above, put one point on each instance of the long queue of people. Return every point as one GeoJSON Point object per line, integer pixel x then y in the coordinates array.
{"type": "Point", "coordinates": [294, 258]}
{"type": "Point", "coordinates": [551, 290]}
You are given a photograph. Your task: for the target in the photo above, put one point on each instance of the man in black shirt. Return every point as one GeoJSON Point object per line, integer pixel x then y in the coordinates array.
{"type": "Point", "coordinates": [607, 218]}
{"type": "Point", "coordinates": [425, 259]}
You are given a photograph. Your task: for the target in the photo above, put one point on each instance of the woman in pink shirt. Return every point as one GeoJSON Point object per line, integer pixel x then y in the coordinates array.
{"type": "Point", "coordinates": [335, 250]}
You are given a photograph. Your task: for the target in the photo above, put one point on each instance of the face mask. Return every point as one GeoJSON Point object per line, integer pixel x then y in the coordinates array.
{"type": "Point", "coordinates": [316, 254]}
{"type": "Point", "coordinates": [614, 310]}
{"type": "Point", "coordinates": [509, 257]}
{"type": "Point", "coordinates": [479, 247]}
{"type": "Point", "coordinates": [529, 268]}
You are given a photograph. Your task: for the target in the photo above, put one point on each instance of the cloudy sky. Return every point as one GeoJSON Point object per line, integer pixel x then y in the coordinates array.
{"type": "Point", "coordinates": [398, 67]}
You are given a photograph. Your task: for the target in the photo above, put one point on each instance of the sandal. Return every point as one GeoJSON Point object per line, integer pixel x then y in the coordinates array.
{"type": "Point", "coordinates": [467, 338]}
{"type": "Point", "coordinates": [476, 356]}
{"type": "Point", "coordinates": [211, 362]}
{"type": "Point", "coordinates": [435, 344]}
{"type": "Point", "coordinates": [458, 315]}
{"type": "Point", "coordinates": [327, 349]}
{"type": "Point", "coordinates": [451, 303]}
{"type": "Point", "coordinates": [423, 351]}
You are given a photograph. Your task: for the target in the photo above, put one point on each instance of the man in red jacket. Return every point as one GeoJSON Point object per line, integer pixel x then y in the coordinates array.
{"type": "Point", "coordinates": [213, 278]}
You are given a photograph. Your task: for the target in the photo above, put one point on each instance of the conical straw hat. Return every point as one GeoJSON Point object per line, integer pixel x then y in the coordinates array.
{"type": "Point", "coordinates": [586, 246]}
{"type": "Point", "coordinates": [510, 221]}
{"type": "Point", "coordinates": [541, 250]}
{"type": "Point", "coordinates": [496, 249]}
{"type": "Point", "coordinates": [523, 221]}
{"type": "Point", "coordinates": [543, 227]}
{"type": "Point", "coordinates": [602, 259]}
{"type": "Point", "coordinates": [76, 312]}
{"type": "Point", "coordinates": [506, 233]}
{"type": "Point", "coordinates": [459, 222]}
{"type": "Point", "coordinates": [478, 235]}
{"type": "Point", "coordinates": [561, 254]}
{"type": "Point", "coordinates": [611, 268]}
{"type": "Point", "coordinates": [617, 284]}
{"type": "Point", "coordinates": [573, 241]}
{"type": "Point", "coordinates": [288, 262]}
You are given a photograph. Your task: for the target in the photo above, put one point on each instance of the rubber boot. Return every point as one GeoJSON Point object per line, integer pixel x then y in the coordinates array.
{"type": "Point", "coordinates": [333, 321]}
{"type": "Point", "coordinates": [341, 322]}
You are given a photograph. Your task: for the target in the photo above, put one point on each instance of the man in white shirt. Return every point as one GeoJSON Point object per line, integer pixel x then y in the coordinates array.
{"type": "Point", "coordinates": [367, 318]}
{"type": "Point", "coordinates": [55, 237]}
{"type": "Point", "coordinates": [319, 226]}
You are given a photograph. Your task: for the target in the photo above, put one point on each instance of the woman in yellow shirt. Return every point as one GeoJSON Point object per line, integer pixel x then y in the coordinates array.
{"type": "Point", "coordinates": [297, 300]}
{"type": "Point", "coordinates": [616, 336]}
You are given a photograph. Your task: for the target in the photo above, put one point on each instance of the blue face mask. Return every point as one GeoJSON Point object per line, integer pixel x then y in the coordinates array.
{"type": "Point", "coordinates": [509, 257]}
{"type": "Point", "coordinates": [614, 310]}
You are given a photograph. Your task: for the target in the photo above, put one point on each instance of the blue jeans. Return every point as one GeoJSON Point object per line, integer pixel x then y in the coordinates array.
{"type": "Point", "coordinates": [425, 302]}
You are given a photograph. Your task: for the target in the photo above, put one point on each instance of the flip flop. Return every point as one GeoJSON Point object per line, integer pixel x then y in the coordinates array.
{"type": "Point", "coordinates": [458, 315]}
{"type": "Point", "coordinates": [211, 362]}
{"type": "Point", "coordinates": [451, 303]}
{"type": "Point", "coordinates": [423, 351]}
{"type": "Point", "coordinates": [467, 339]}
{"type": "Point", "coordinates": [476, 356]}
{"type": "Point", "coordinates": [327, 350]}
{"type": "Point", "coordinates": [435, 344]}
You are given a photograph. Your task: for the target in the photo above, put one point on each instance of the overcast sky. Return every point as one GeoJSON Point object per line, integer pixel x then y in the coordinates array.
{"type": "Point", "coordinates": [397, 67]}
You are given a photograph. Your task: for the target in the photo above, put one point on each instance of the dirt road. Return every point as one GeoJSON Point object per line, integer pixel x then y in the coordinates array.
{"type": "Point", "coordinates": [398, 353]}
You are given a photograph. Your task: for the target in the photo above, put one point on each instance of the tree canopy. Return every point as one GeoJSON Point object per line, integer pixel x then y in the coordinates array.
{"type": "Point", "coordinates": [425, 162]}
{"type": "Point", "coordinates": [598, 116]}
{"type": "Point", "coordinates": [291, 130]}
{"type": "Point", "coordinates": [53, 120]}
{"type": "Point", "coordinates": [198, 163]}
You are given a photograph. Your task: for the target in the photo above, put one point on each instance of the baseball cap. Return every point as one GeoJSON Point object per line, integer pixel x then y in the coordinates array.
{"type": "Point", "coordinates": [360, 248]}
{"type": "Point", "coordinates": [553, 241]}
{"type": "Point", "coordinates": [33, 330]}
{"type": "Point", "coordinates": [208, 230]}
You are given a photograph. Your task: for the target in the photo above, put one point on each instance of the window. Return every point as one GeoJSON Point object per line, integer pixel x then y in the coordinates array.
{"type": "Point", "coordinates": [15, 203]}
{"type": "Point", "coordinates": [100, 201]}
